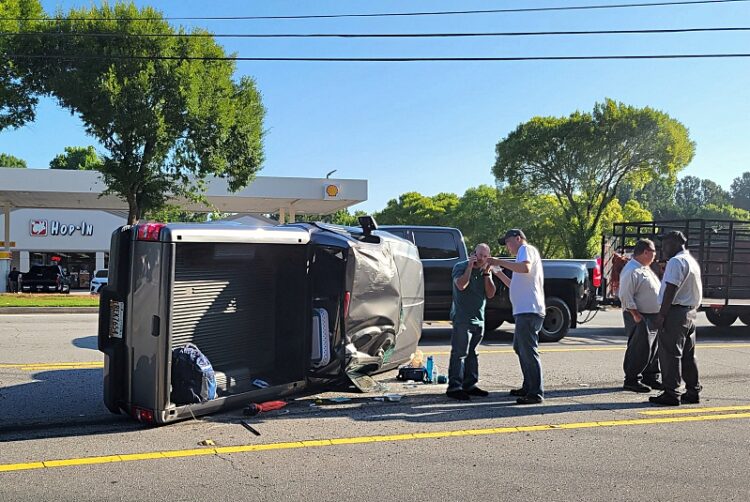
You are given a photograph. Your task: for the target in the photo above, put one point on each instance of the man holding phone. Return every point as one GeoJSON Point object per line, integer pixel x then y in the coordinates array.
{"type": "Point", "coordinates": [472, 285]}
{"type": "Point", "coordinates": [527, 296]}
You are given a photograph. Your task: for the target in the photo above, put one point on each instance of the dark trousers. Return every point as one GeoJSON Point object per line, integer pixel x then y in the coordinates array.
{"type": "Point", "coordinates": [677, 352]}
{"type": "Point", "coordinates": [13, 286]}
{"type": "Point", "coordinates": [526, 345]}
{"type": "Point", "coordinates": [641, 361]}
{"type": "Point", "coordinates": [463, 369]}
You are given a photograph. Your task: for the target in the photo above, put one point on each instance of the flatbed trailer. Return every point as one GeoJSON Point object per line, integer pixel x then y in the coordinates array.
{"type": "Point", "coordinates": [721, 247]}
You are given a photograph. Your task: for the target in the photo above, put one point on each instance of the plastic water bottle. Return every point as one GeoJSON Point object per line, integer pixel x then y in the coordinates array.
{"type": "Point", "coordinates": [430, 367]}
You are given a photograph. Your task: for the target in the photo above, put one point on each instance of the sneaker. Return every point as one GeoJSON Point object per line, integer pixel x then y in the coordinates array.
{"type": "Point", "coordinates": [664, 399]}
{"type": "Point", "coordinates": [517, 392]}
{"type": "Point", "coordinates": [636, 387]}
{"type": "Point", "coordinates": [458, 395]}
{"type": "Point", "coordinates": [690, 399]}
{"type": "Point", "coordinates": [529, 400]}
{"type": "Point", "coordinates": [476, 391]}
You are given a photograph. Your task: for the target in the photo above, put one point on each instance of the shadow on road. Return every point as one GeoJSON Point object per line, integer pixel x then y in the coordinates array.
{"type": "Point", "coordinates": [86, 342]}
{"type": "Point", "coordinates": [60, 403]}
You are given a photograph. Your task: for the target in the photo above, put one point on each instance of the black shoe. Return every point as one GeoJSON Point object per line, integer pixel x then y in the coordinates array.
{"type": "Point", "coordinates": [458, 395]}
{"type": "Point", "coordinates": [636, 387]}
{"type": "Point", "coordinates": [529, 400]}
{"type": "Point", "coordinates": [476, 391]}
{"type": "Point", "coordinates": [690, 399]}
{"type": "Point", "coordinates": [664, 399]}
{"type": "Point", "coordinates": [654, 384]}
{"type": "Point", "coordinates": [517, 392]}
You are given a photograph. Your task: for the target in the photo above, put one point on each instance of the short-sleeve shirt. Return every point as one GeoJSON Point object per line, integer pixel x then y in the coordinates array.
{"type": "Point", "coordinates": [527, 290]}
{"type": "Point", "coordinates": [685, 273]}
{"type": "Point", "coordinates": [468, 305]}
{"type": "Point", "coordinates": [639, 288]}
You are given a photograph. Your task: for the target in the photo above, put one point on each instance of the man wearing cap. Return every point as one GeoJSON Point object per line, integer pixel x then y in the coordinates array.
{"type": "Point", "coordinates": [527, 296]}
{"type": "Point", "coordinates": [472, 285]}
{"type": "Point", "coordinates": [679, 296]}
{"type": "Point", "coordinates": [639, 291]}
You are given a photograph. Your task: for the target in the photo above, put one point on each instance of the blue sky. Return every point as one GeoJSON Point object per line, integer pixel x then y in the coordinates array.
{"type": "Point", "coordinates": [432, 126]}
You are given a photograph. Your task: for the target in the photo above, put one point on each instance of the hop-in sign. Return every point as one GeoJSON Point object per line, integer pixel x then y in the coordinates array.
{"type": "Point", "coordinates": [42, 228]}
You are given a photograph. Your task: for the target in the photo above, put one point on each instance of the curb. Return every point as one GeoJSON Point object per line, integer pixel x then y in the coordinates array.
{"type": "Point", "coordinates": [49, 310]}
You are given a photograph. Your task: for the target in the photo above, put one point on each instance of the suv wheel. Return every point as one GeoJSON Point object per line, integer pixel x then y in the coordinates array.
{"type": "Point", "coordinates": [491, 325]}
{"type": "Point", "coordinates": [556, 320]}
{"type": "Point", "coordinates": [719, 318]}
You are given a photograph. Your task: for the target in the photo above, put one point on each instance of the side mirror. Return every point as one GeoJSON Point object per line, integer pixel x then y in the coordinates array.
{"type": "Point", "coordinates": [368, 224]}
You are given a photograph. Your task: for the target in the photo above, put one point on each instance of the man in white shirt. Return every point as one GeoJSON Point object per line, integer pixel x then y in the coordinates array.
{"type": "Point", "coordinates": [527, 296]}
{"type": "Point", "coordinates": [639, 290]}
{"type": "Point", "coordinates": [679, 296]}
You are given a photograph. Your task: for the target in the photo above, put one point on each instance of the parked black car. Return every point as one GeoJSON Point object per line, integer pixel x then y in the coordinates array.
{"type": "Point", "coordinates": [45, 279]}
{"type": "Point", "coordinates": [569, 285]}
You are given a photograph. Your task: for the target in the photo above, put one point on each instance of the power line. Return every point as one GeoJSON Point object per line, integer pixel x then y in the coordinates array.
{"type": "Point", "coordinates": [383, 59]}
{"type": "Point", "coordinates": [395, 14]}
{"type": "Point", "coordinates": [380, 35]}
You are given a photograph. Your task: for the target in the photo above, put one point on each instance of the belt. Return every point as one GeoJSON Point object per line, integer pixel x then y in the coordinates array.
{"type": "Point", "coordinates": [684, 306]}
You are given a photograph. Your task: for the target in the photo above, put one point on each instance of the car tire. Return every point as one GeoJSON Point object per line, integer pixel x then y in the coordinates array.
{"type": "Point", "coordinates": [745, 318]}
{"type": "Point", "coordinates": [556, 320]}
{"type": "Point", "coordinates": [491, 325]}
{"type": "Point", "coordinates": [719, 318]}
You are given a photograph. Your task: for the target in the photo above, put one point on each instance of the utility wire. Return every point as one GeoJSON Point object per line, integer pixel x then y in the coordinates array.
{"type": "Point", "coordinates": [394, 14]}
{"type": "Point", "coordinates": [383, 59]}
{"type": "Point", "coordinates": [379, 35]}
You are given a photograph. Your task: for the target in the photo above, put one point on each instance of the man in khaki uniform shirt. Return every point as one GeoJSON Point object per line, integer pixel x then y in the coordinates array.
{"type": "Point", "coordinates": [639, 291]}
{"type": "Point", "coordinates": [680, 297]}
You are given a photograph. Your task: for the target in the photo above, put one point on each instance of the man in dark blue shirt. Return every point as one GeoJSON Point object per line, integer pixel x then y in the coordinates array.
{"type": "Point", "coordinates": [472, 285]}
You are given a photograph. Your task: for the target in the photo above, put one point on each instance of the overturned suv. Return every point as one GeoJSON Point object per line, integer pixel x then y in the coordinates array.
{"type": "Point", "coordinates": [274, 309]}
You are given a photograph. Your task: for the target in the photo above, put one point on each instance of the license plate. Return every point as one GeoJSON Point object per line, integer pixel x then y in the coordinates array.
{"type": "Point", "coordinates": [116, 318]}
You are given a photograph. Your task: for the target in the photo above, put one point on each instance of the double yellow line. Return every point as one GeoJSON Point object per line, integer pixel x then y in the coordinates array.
{"type": "Point", "coordinates": [618, 348]}
{"type": "Point", "coordinates": [319, 443]}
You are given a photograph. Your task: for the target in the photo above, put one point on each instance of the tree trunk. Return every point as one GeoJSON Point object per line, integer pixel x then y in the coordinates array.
{"type": "Point", "coordinates": [133, 215]}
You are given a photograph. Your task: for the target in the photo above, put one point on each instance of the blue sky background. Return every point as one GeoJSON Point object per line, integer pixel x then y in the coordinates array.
{"type": "Point", "coordinates": [432, 126]}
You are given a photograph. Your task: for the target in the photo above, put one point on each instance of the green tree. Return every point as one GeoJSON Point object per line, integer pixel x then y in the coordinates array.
{"type": "Point", "coordinates": [166, 123]}
{"type": "Point", "coordinates": [740, 191]}
{"type": "Point", "coordinates": [17, 97]}
{"type": "Point", "coordinates": [413, 208]}
{"type": "Point", "coordinates": [11, 161]}
{"type": "Point", "coordinates": [340, 217]}
{"type": "Point", "coordinates": [582, 160]}
{"type": "Point", "coordinates": [77, 158]}
{"type": "Point", "coordinates": [657, 196]}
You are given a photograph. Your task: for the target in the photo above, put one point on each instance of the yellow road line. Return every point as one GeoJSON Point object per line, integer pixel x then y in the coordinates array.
{"type": "Point", "coordinates": [617, 348]}
{"type": "Point", "coordinates": [318, 443]}
{"type": "Point", "coordinates": [689, 410]}
{"type": "Point", "coordinates": [53, 366]}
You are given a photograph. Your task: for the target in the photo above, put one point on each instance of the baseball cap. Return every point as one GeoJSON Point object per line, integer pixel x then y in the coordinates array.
{"type": "Point", "coordinates": [675, 235]}
{"type": "Point", "coordinates": [513, 232]}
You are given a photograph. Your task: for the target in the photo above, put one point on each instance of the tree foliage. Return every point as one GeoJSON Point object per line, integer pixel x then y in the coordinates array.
{"type": "Point", "coordinates": [583, 159]}
{"type": "Point", "coordinates": [77, 158]}
{"type": "Point", "coordinates": [165, 124]}
{"type": "Point", "coordinates": [11, 161]}
{"type": "Point", "coordinates": [413, 208]}
{"type": "Point", "coordinates": [740, 191]}
{"type": "Point", "coordinates": [17, 96]}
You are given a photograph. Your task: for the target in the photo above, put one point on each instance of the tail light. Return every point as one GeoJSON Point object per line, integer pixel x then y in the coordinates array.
{"type": "Point", "coordinates": [143, 415]}
{"type": "Point", "coordinates": [347, 300]}
{"type": "Point", "coordinates": [149, 231]}
{"type": "Point", "coordinates": [597, 279]}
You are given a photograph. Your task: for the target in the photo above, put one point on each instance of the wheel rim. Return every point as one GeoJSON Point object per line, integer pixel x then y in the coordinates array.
{"type": "Point", "coordinates": [552, 320]}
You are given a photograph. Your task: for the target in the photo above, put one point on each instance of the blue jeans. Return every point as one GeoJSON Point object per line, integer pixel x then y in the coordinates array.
{"type": "Point", "coordinates": [463, 371]}
{"type": "Point", "coordinates": [526, 345]}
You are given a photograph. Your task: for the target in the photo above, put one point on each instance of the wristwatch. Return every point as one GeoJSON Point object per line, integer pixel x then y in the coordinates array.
{"type": "Point", "coordinates": [486, 275]}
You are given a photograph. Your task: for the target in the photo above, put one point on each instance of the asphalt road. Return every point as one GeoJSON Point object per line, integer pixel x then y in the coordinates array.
{"type": "Point", "coordinates": [589, 441]}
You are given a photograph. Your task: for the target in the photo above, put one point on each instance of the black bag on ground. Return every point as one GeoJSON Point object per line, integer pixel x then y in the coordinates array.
{"type": "Point", "coordinates": [193, 377]}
